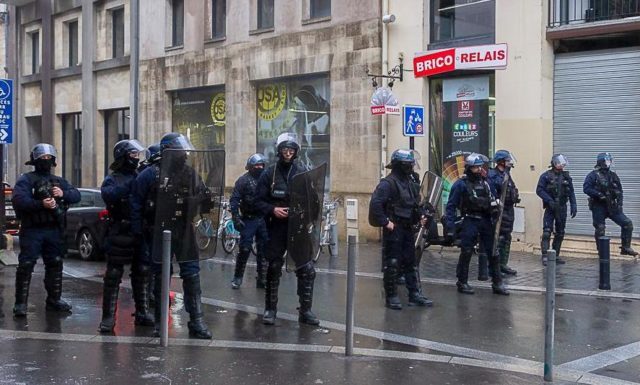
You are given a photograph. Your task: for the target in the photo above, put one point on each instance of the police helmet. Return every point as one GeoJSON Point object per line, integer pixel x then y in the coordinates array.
{"type": "Point", "coordinates": [255, 159]}
{"type": "Point", "coordinates": [604, 159]}
{"type": "Point", "coordinates": [126, 147]}
{"type": "Point", "coordinates": [287, 140]}
{"type": "Point", "coordinates": [152, 153]}
{"type": "Point", "coordinates": [559, 160]}
{"type": "Point", "coordinates": [40, 150]}
{"type": "Point", "coordinates": [475, 159]}
{"type": "Point", "coordinates": [506, 156]}
{"type": "Point", "coordinates": [176, 141]}
{"type": "Point", "coordinates": [402, 155]}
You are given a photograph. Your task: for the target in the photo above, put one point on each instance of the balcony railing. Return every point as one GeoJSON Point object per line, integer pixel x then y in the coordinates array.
{"type": "Point", "coordinates": [565, 12]}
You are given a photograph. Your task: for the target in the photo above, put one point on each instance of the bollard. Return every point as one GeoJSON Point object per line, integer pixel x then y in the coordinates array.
{"type": "Point", "coordinates": [166, 281]}
{"type": "Point", "coordinates": [604, 253]}
{"type": "Point", "coordinates": [351, 288]}
{"type": "Point", "coordinates": [549, 315]}
{"type": "Point", "coordinates": [334, 240]}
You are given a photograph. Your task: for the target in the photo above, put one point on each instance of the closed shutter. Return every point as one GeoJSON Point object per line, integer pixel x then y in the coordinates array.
{"type": "Point", "coordinates": [596, 108]}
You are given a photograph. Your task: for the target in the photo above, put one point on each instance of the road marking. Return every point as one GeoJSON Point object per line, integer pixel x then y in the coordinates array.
{"type": "Point", "coordinates": [565, 375]}
{"type": "Point", "coordinates": [604, 359]}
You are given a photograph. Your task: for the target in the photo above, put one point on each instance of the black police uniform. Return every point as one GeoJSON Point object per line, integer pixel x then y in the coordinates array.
{"type": "Point", "coordinates": [471, 196]}
{"type": "Point", "coordinates": [273, 191]}
{"type": "Point", "coordinates": [397, 199]}
{"type": "Point", "coordinates": [555, 188]}
{"type": "Point", "coordinates": [604, 189]}
{"type": "Point", "coordinates": [250, 222]}
{"type": "Point", "coordinates": [496, 178]}
{"type": "Point", "coordinates": [41, 233]}
{"type": "Point", "coordinates": [122, 248]}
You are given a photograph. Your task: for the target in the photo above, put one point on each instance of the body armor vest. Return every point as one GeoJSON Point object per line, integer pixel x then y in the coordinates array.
{"type": "Point", "coordinates": [403, 205]}
{"type": "Point", "coordinates": [477, 200]}
{"type": "Point", "coordinates": [280, 187]}
{"type": "Point", "coordinates": [558, 186]}
{"type": "Point", "coordinates": [609, 185]}
{"type": "Point", "coordinates": [247, 203]}
{"type": "Point", "coordinates": [121, 209]}
{"type": "Point", "coordinates": [41, 189]}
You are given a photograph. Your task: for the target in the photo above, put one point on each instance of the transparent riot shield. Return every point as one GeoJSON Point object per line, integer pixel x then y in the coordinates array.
{"type": "Point", "coordinates": [306, 192]}
{"type": "Point", "coordinates": [430, 192]}
{"type": "Point", "coordinates": [190, 190]}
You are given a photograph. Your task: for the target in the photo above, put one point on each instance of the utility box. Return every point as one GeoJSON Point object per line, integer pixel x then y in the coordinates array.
{"type": "Point", "coordinates": [351, 212]}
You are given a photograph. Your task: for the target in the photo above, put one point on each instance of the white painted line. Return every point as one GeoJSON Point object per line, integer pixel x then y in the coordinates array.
{"type": "Point", "coordinates": [605, 358]}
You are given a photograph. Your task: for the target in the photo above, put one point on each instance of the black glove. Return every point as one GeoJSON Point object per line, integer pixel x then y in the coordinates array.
{"type": "Point", "coordinates": [449, 238]}
{"type": "Point", "coordinates": [237, 223]}
{"type": "Point", "coordinates": [574, 211]}
{"type": "Point", "coordinates": [552, 206]}
{"type": "Point", "coordinates": [602, 197]}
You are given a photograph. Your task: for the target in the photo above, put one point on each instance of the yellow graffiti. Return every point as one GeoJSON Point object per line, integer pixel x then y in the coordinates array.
{"type": "Point", "coordinates": [218, 109]}
{"type": "Point", "coordinates": [271, 100]}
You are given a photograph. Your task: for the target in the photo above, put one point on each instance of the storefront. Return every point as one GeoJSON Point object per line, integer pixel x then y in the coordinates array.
{"type": "Point", "coordinates": [201, 115]}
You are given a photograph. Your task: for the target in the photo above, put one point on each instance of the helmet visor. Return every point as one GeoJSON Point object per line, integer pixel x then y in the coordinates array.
{"type": "Point", "coordinates": [181, 143]}
{"type": "Point", "coordinates": [511, 160]}
{"type": "Point", "coordinates": [287, 137]}
{"type": "Point", "coordinates": [560, 160]}
{"type": "Point", "coordinates": [43, 149]}
{"type": "Point", "coordinates": [136, 150]}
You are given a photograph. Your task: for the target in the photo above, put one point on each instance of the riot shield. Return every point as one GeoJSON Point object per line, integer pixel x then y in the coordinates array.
{"type": "Point", "coordinates": [430, 192]}
{"type": "Point", "coordinates": [306, 191]}
{"type": "Point", "coordinates": [190, 190]}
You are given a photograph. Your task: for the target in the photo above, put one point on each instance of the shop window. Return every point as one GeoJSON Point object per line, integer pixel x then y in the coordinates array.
{"type": "Point", "coordinates": [300, 106]}
{"type": "Point", "coordinates": [72, 148]}
{"type": "Point", "coordinates": [72, 42]}
{"type": "Point", "coordinates": [200, 114]}
{"type": "Point", "coordinates": [116, 128]}
{"type": "Point", "coordinates": [462, 19]}
{"type": "Point", "coordinates": [462, 121]}
{"type": "Point", "coordinates": [218, 18]}
{"type": "Point", "coordinates": [265, 14]}
{"type": "Point", "coordinates": [117, 32]}
{"type": "Point", "coordinates": [319, 8]}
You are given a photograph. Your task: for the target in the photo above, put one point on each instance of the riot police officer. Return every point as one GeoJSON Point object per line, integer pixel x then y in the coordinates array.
{"type": "Point", "coordinates": [498, 175]}
{"type": "Point", "coordinates": [555, 188]}
{"type": "Point", "coordinates": [41, 200]}
{"type": "Point", "coordinates": [471, 196]}
{"type": "Point", "coordinates": [144, 211]}
{"type": "Point", "coordinates": [604, 189]}
{"type": "Point", "coordinates": [121, 246]}
{"type": "Point", "coordinates": [272, 200]}
{"type": "Point", "coordinates": [152, 155]}
{"type": "Point", "coordinates": [248, 220]}
{"type": "Point", "coordinates": [395, 207]}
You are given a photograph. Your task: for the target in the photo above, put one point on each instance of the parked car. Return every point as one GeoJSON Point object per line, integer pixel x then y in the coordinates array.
{"type": "Point", "coordinates": [87, 225]}
{"type": "Point", "coordinates": [11, 222]}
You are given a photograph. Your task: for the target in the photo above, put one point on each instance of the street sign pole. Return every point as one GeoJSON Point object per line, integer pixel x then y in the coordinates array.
{"type": "Point", "coordinates": [412, 143]}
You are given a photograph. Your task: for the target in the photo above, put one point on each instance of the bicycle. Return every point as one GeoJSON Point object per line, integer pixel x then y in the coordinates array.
{"type": "Point", "coordinates": [329, 219]}
{"type": "Point", "coordinates": [226, 231]}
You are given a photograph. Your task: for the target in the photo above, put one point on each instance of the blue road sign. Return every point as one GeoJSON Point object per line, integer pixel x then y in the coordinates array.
{"type": "Point", "coordinates": [413, 120]}
{"type": "Point", "coordinates": [6, 111]}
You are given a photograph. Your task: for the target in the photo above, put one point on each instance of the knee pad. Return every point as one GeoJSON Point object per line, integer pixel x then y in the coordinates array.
{"type": "Point", "coordinates": [53, 263]}
{"type": "Point", "coordinates": [546, 234]}
{"type": "Point", "coordinates": [466, 251]}
{"type": "Point", "coordinates": [26, 266]}
{"type": "Point", "coordinates": [392, 263]}
{"type": "Point", "coordinates": [600, 230]}
{"type": "Point", "coordinates": [140, 269]}
{"type": "Point", "coordinates": [114, 273]}
{"type": "Point", "coordinates": [275, 268]}
{"type": "Point", "coordinates": [306, 271]}
{"type": "Point", "coordinates": [628, 226]}
{"type": "Point", "coordinates": [245, 250]}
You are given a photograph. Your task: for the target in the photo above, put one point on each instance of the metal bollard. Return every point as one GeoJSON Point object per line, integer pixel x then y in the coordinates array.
{"type": "Point", "coordinates": [604, 253]}
{"type": "Point", "coordinates": [352, 256]}
{"type": "Point", "coordinates": [334, 240]}
{"type": "Point", "coordinates": [549, 315]}
{"type": "Point", "coordinates": [166, 281]}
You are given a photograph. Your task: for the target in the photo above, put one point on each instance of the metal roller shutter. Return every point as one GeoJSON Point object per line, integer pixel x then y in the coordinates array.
{"type": "Point", "coordinates": [596, 108]}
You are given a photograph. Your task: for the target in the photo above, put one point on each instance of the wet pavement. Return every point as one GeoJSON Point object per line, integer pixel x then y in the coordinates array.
{"type": "Point", "coordinates": [463, 339]}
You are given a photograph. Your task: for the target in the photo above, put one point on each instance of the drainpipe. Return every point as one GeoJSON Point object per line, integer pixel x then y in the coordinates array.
{"type": "Point", "coordinates": [385, 68]}
{"type": "Point", "coordinates": [134, 67]}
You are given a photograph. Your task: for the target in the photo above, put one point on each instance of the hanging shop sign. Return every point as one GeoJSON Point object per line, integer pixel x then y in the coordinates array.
{"type": "Point", "coordinates": [431, 63]}
{"type": "Point", "coordinates": [383, 101]}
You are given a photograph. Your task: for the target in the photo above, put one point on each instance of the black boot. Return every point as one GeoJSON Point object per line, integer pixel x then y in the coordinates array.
{"type": "Point", "coordinates": [110, 289]}
{"type": "Point", "coordinates": [545, 243]}
{"type": "Point", "coordinates": [193, 306]}
{"type": "Point", "coordinates": [389, 280]}
{"type": "Point", "coordinates": [557, 244]}
{"type": "Point", "coordinates": [504, 249]}
{"type": "Point", "coordinates": [496, 279]}
{"type": "Point", "coordinates": [53, 285]}
{"type": "Point", "coordinates": [261, 279]}
{"type": "Point", "coordinates": [157, 295]}
{"type": "Point", "coordinates": [271, 293]}
{"type": "Point", "coordinates": [23, 280]}
{"type": "Point", "coordinates": [483, 267]}
{"type": "Point", "coordinates": [625, 247]}
{"type": "Point", "coordinates": [462, 271]}
{"type": "Point", "coordinates": [241, 263]}
{"type": "Point", "coordinates": [140, 286]}
{"type": "Point", "coordinates": [306, 277]}
{"type": "Point", "coordinates": [414, 287]}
